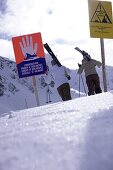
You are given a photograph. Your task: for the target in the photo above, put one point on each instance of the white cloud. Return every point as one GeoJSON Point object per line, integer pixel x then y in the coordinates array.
{"type": "Point", "coordinates": [6, 49]}
{"type": "Point", "coordinates": [53, 18]}
{"type": "Point", "coordinates": [64, 24]}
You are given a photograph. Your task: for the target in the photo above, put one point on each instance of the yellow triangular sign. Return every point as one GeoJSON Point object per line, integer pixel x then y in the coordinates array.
{"type": "Point", "coordinates": [100, 15]}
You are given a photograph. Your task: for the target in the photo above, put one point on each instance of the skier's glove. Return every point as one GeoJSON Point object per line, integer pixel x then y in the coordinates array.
{"type": "Point", "coordinates": [69, 77]}
{"type": "Point", "coordinates": [52, 83]}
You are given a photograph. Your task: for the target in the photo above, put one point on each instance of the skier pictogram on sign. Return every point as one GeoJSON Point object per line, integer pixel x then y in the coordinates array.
{"type": "Point", "coordinates": [100, 15]}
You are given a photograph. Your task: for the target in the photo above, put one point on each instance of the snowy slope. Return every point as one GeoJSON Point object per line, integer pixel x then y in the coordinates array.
{"type": "Point", "coordinates": [71, 135]}
{"type": "Point", "coordinates": [14, 92]}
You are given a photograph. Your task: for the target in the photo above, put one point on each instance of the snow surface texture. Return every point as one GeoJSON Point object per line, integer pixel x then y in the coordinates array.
{"type": "Point", "coordinates": [71, 135]}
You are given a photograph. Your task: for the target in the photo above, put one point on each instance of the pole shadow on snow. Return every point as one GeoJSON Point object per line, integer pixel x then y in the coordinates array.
{"type": "Point", "coordinates": [97, 151]}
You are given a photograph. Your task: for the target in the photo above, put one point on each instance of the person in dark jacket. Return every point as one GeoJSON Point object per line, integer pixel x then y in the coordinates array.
{"type": "Point", "coordinates": [92, 79]}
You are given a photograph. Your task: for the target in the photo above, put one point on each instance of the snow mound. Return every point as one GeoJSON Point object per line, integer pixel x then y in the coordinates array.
{"type": "Point", "coordinates": [71, 135]}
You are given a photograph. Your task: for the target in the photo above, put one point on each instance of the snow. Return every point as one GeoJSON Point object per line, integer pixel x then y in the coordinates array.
{"type": "Point", "coordinates": [70, 135]}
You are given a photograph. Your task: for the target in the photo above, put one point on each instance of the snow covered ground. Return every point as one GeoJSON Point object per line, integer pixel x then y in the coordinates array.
{"type": "Point", "coordinates": [71, 135]}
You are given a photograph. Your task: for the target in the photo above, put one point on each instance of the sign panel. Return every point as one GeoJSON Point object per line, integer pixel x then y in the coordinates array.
{"type": "Point", "coordinates": [100, 19]}
{"type": "Point", "coordinates": [29, 55]}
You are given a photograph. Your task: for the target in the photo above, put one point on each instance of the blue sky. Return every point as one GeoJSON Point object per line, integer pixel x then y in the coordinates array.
{"type": "Point", "coordinates": [63, 25]}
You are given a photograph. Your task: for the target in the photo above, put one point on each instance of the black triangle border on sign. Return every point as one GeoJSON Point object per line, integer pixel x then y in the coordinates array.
{"type": "Point", "coordinates": [106, 15]}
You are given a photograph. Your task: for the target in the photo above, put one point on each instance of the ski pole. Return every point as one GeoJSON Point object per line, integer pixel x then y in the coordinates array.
{"type": "Point", "coordinates": [47, 101]}
{"type": "Point", "coordinates": [79, 65]}
{"type": "Point", "coordinates": [48, 94]}
{"type": "Point", "coordinates": [80, 75]}
{"type": "Point", "coordinates": [79, 85]}
{"type": "Point", "coordinates": [83, 85]}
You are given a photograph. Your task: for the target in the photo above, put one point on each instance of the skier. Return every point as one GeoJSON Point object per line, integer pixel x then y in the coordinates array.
{"type": "Point", "coordinates": [61, 77]}
{"type": "Point", "coordinates": [92, 79]}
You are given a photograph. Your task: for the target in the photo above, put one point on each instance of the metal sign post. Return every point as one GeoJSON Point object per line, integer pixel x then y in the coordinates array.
{"type": "Point", "coordinates": [35, 90]}
{"type": "Point", "coordinates": [103, 64]}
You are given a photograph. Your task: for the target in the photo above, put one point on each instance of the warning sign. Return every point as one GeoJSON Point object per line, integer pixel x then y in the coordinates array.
{"type": "Point", "coordinates": [100, 17]}
{"type": "Point", "coordinates": [29, 55]}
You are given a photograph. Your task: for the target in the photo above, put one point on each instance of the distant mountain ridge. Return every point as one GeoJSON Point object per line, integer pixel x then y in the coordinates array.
{"type": "Point", "coordinates": [9, 78]}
